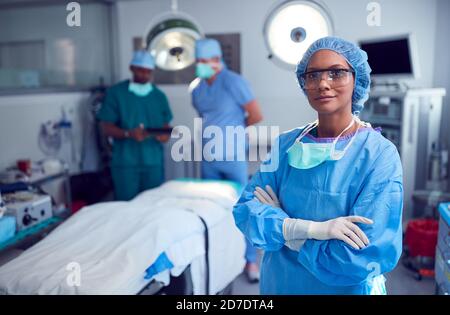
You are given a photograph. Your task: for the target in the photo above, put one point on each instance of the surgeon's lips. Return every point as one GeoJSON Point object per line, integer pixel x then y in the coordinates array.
{"type": "Point", "coordinates": [324, 98]}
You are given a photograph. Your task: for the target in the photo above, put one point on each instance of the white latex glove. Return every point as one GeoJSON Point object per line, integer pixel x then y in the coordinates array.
{"type": "Point", "coordinates": [269, 197]}
{"type": "Point", "coordinates": [343, 228]}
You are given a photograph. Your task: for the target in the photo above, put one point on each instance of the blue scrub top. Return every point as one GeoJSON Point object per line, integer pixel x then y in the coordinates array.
{"type": "Point", "coordinates": [221, 103]}
{"type": "Point", "coordinates": [367, 182]}
{"type": "Point", "coordinates": [127, 111]}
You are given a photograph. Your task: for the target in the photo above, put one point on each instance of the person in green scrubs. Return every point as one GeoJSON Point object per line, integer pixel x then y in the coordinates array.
{"type": "Point", "coordinates": [129, 108]}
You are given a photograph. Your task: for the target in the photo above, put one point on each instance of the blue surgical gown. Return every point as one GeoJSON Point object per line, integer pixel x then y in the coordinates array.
{"type": "Point", "coordinates": [221, 105]}
{"type": "Point", "coordinates": [367, 182]}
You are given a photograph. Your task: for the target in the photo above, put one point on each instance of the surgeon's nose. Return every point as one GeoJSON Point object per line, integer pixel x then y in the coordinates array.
{"type": "Point", "coordinates": [324, 84]}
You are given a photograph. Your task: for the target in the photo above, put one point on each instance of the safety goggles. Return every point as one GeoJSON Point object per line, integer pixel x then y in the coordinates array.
{"type": "Point", "coordinates": [335, 77]}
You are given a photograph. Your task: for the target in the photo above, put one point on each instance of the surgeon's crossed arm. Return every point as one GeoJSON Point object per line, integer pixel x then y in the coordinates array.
{"type": "Point", "coordinates": [297, 231]}
{"type": "Point", "coordinates": [259, 222]}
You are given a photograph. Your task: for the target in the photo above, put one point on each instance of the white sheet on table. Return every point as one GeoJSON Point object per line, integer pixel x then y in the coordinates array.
{"type": "Point", "coordinates": [226, 259]}
{"type": "Point", "coordinates": [137, 232]}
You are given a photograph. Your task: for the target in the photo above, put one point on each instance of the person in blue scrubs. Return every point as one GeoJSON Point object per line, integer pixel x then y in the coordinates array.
{"type": "Point", "coordinates": [224, 98]}
{"type": "Point", "coordinates": [129, 108]}
{"type": "Point", "coordinates": [329, 216]}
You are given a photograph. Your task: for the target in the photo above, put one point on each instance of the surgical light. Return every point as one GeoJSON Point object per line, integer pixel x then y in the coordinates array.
{"type": "Point", "coordinates": [171, 39]}
{"type": "Point", "coordinates": [291, 27]}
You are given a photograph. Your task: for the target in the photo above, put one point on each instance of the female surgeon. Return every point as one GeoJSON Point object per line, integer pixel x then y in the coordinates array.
{"type": "Point", "coordinates": [328, 217]}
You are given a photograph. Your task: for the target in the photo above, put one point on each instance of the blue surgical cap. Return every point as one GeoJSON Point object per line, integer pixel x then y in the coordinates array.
{"type": "Point", "coordinates": [143, 59]}
{"type": "Point", "coordinates": [356, 57]}
{"type": "Point", "coordinates": [207, 48]}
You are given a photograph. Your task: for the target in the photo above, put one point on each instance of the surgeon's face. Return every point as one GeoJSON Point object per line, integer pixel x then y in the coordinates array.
{"type": "Point", "coordinates": [141, 75]}
{"type": "Point", "coordinates": [329, 91]}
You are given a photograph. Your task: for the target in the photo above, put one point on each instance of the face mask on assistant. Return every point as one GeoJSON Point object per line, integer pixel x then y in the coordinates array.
{"type": "Point", "coordinates": [204, 70]}
{"type": "Point", "coordinates": [140, 89]}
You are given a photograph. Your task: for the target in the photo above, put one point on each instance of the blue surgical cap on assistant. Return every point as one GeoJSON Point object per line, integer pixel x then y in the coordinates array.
{"type": "Point", "coordinates": [357, 59]}
{"type": "Point", "coordinates": [207, 48]}
{"type": "Point", "coordinates": [143, 59]}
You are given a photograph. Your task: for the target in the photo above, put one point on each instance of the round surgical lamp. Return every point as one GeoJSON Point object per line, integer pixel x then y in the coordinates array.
{"type": "Point", "coordinates": [291, 27]}
{"type": "Point", "coordinates": [170, 38]}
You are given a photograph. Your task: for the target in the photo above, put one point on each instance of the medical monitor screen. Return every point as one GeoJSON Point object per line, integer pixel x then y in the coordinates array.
{"type": "Point", "coordinates": [389, 57]}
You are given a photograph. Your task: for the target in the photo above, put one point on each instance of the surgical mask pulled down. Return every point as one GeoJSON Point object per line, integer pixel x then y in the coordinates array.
{"type": "Point", "coordinates": [140, 89]}
{"type": "Point", "coordinates": [207, 70]}
{"type": "Point", "coordinates": [308, 155]}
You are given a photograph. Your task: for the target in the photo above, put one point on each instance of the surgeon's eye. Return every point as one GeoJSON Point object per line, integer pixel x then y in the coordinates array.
{"type": "Point", "coordinates": [312, 76]}
{"type": "Point", "coordinates": [337, 73]}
